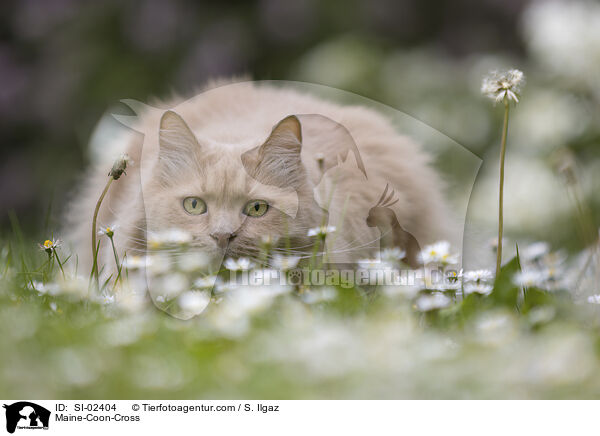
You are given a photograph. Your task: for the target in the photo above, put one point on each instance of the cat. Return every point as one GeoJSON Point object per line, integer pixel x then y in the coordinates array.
{"type": "Point", "coordinates": [242, 161]}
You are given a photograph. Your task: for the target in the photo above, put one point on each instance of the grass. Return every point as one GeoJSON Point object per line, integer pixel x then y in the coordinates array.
{"type": "Point", "coordinates": [364, 343]}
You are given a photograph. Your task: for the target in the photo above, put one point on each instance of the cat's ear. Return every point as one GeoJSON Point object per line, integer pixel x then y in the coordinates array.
{"type": "Point", "coordinates": [279, 157]}
{"type": "Point", "coordinates": [177, 143]}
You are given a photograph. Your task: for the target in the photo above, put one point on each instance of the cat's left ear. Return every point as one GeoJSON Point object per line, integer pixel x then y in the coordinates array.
{"type": "Point", "coordinates": [278, 159]}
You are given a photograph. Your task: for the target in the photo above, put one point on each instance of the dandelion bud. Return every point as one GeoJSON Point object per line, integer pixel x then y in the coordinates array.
{"type": "Point", "coordinates": [119, 166]}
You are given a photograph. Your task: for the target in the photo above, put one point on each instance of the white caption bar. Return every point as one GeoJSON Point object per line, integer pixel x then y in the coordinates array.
{"type": "Point", "coordinates": [297, 417]}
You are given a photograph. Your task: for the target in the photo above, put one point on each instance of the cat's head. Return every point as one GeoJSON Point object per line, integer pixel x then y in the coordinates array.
{"type": "Point", "coordinates": [227, 197]}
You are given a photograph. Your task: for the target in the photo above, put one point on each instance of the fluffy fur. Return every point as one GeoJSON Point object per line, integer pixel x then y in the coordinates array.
{"type": "Point", "coordinates": [236, 143]}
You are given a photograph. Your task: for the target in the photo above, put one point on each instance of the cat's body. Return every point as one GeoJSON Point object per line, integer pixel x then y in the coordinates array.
{"type": "Point", "coordinates": [223, 147]}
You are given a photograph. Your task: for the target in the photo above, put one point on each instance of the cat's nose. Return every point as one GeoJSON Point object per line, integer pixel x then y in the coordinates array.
{"type": "Point", "coordinates": [222, 238]}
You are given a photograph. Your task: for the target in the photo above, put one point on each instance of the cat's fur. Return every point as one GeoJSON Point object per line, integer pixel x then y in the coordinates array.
{"type": "Point", "coordinates": [223, 143]}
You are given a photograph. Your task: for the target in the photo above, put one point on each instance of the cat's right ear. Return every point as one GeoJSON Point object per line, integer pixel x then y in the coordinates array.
{"type": "Point", "coordinates": [278, 161]}
{"type": "Point", "coordinates": [177, 144]}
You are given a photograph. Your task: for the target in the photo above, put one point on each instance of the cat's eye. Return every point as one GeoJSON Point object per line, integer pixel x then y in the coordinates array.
{"type": "Point", "coordinates": [194, 206]}
{"type": "Point", "coordinates": [256, 208]}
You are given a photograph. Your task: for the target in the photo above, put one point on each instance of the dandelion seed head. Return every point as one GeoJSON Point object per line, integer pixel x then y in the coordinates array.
{"type": "Point", "coordinates": [503, 86]}
{"type": "Point", "coordinates": [120, 165]}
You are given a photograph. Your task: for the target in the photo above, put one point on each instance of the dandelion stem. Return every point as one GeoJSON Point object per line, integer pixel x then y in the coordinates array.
{"type": "Point", "coordinates": [94, 230]}
{"type": "Point", "coordinates": [501, 193]}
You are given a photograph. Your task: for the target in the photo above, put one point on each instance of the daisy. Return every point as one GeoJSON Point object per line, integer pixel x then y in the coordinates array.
{"type": "Point", "coordinates": [194, 301]}
{"type": "Point", "coordinates": [241, 264]}
{"type": "Point", "coordinates": [285, 263]}
{"type": "Point", "coordinates": [535, 251]}
{"type": "Point", "coordinates": [430, 302]}
{"type": "Point", "coordinates": [478, 276]}
{"type": "Point", "coordinates": [321, 231]}
{"type": "Point", "coordinates": [133, 263]}
{"type": "Point", "coordinates": [50, 245]}
{"type": "Point", "coordinates": [594, 299]}
{"type": "Point", "coordinates": [207, 282]}
{"type": "Point", "coordinates": [169, 237]}
{"type": "Point", "coordinates": [530, 278]}
{"type": "Point", "coordinates": [477, 288]}
{"type": "Point", "coordinates": [438, 253]}
{"type": "Point", "coordinates": [392, 255]}
{"type": "Point", "coordinates": [108, 230]}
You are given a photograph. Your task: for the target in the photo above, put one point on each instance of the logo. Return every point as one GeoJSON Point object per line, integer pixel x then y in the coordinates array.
{"type": "Point", "coordinates": [26, 415]}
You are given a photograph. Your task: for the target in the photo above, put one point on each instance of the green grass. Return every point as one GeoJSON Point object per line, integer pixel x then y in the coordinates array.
{"type": "Point", "coordinates": [360, 345]}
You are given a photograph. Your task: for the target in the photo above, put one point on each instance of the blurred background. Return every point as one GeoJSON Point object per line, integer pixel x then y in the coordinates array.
{"type": "Point", "coordinates": [64, 63]}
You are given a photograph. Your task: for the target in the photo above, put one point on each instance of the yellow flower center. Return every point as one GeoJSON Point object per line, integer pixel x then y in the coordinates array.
{"type": "Point", "coordinates": [108, 230]}
{"type": "Point", "coordinates": [48, 243]}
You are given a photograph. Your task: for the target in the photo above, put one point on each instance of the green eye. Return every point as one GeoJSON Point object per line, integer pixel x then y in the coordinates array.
{"type": "Point", "coordinates": [194, 206]}
{"type": "Point", "coordinates": [256, 208]}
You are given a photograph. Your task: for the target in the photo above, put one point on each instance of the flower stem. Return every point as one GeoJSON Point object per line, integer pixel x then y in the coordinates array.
{"type": "Point", "coordinates": [59, 263]}
{"type": "Point", "coordinates": [501, 194]}
{"type": "Point", "coordinates": [112, 242]}
{"type": "Point", "coordinates": [94, 230]}
{"type": "Point", "coordinates": [316, 249]}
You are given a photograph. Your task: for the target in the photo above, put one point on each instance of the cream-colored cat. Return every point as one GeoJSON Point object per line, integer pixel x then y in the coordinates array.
{"type": "Point", "coordinates": [241, 162]}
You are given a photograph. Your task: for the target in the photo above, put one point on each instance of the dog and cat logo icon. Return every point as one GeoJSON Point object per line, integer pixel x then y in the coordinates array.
{"type": "Point", "coordinates": [26, 415]}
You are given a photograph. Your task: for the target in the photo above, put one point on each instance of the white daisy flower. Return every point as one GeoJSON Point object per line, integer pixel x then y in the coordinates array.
{"type": "Point", "coordinates": [241, 264]}
{"type": "Point", "coordinates": [504, 86]}
{"type": "Point", "coordinates": [267, 241]}
{"type": "Point", "coordinates": [105, 299]}
{"type": "Point", "coordinates": [392, 255]}
{"type": "Point", "coordinates": [313, 296]}
{"type": "Point", "coordinates": [44, 288]}
{"type": "Point", "coordinates": [169, 237]}
{"type": "Point", "coordinates": [477, 288]}
{"type": "Point", "coordinates": [426, 303]}
{"type": "Point", "coordinates": [534, 252]}
{"type": "Point", "coordinates": [108, 230]}
{"type": "Point", "coordinates": [321, 231]}
{"type": "Point", "coordinates": [438, 253]}
{"type": "Point", "coordinates": [169, 285]}
{"type": "Point", "coordinates": [284, 263]}
{"type": "Point", "coordinates": [50, 245]}
{"type": "Point", "coordinates": [132, 263]}
{"type": "Point", "coordinates": [530, 278]}
{"type": "Point", "coordinates": [207, 282]}
{"type": "Point", "coordinates": [477, 276]}
{"type": "Point", "coordinates": [194, 302]}
{"type": "Point", "coordinates": [594, 299]}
